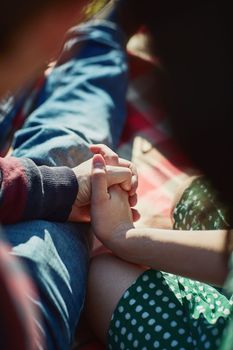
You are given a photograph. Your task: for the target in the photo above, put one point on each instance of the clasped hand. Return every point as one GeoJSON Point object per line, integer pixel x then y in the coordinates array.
{"type": "Point", "coordinates": [111, 212]}
{"type": "Point", "coordinates": [118, 171]}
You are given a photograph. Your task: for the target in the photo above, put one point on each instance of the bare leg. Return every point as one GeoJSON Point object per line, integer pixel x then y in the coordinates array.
{"type": "Point", "coordinates": [109, 278]}
{"type": "Point", "coordinates": [158, 221]}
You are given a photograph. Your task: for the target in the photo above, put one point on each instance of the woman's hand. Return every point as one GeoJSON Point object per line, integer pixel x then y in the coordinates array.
{"type": "Point", "coordinates": [111, 214]}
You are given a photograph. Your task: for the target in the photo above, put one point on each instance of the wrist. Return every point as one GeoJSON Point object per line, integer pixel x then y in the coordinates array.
{"type": "Point", "coordinates": [117, 242]}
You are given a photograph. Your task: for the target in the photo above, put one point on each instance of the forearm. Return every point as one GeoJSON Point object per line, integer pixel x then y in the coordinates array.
{"type": "Point", "coordinates": [195, 254]}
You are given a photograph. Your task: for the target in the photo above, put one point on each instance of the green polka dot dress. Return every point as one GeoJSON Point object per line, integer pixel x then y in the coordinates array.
{"type": "Point", "coordinates": [164, 311]}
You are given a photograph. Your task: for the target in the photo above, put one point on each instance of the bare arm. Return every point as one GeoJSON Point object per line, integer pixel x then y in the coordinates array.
{"type": "Point", "coordinates": [196, 254]}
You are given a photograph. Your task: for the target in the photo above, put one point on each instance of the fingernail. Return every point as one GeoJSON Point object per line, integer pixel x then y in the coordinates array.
{"type": "Point", "coordinates": [98, 165]}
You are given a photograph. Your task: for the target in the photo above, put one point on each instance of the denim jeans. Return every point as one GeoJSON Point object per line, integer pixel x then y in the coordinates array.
{"type": "Point", "coordinates": [81, 102]}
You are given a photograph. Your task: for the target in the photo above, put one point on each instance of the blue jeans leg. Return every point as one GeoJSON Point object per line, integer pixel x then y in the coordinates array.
{"type": "Point", "coordinates": [56, 256]}
{"type": "Point", "coordinates": [82, 101]}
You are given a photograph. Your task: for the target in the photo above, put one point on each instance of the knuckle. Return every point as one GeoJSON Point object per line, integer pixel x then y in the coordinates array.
{"type": "Point", "coordinates": [98, 175]}
{"type": "Point", "coordinates": [128, 173]}
{"type": "Point", "coordinates": [114, 157]}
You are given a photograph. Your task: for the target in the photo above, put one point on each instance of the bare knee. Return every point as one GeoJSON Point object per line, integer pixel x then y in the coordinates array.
{"type": "Point", "coordinates": [109, 278]}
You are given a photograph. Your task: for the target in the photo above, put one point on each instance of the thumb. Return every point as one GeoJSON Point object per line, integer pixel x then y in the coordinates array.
{"type": "Point", "coordinates": [98, 179]}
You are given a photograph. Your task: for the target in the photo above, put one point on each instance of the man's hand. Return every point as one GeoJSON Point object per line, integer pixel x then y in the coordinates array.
{"type": "Point", "coordinates": [110, 210]}
{"type": "Point", "coordinates": [118, 171]}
